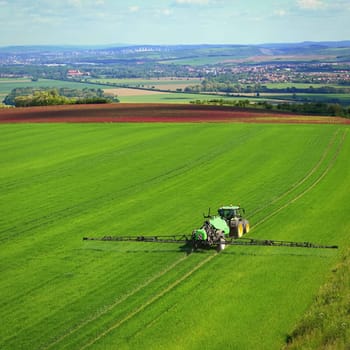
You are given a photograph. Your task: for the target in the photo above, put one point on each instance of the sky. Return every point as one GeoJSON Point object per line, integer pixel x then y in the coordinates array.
{"type": "Point", "coordinates": [168, 22]}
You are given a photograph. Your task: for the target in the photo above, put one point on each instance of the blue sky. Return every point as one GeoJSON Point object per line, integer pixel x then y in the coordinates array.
{"type": "Point", "coordinates": [172, 21]}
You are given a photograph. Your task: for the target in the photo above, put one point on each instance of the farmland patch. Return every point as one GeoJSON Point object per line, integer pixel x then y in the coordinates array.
{"type": "Point", "coordinates": [169, 113]}
{"type": "Point", "coordinates": [60, 182]}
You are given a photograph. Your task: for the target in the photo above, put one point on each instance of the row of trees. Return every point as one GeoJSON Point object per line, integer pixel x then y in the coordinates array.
{"type": "Point", "coordinates": [316, 108]}
{"type": "Point", "coordinates": [227, 86]}
{"type": "Point", "coordinates": [26, 97]}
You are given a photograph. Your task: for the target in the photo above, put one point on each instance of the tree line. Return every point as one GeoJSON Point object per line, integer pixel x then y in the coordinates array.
{"type": "Point", "coordinates": [311, 108]}
{"type": "Point", "coordinates": [223, 85]}
{"type": "Point", "coordinates": [27, 97]}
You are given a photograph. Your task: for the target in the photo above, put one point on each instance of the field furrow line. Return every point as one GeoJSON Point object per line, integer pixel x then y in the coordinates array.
{"type": "Point", "coordinates": [314, 184]}
{"type": "Point", "coordinates": [110, 307]}
{"type": "Point", "coordinates": [303, 179]}
{"type": "Point", "coordinates": [149, 302]}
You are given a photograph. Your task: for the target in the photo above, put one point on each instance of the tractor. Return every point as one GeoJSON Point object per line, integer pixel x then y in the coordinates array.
{"type": "Point", "coordinates": [229, 223]}
{"type": "Point", "coordinates": [226, 228]}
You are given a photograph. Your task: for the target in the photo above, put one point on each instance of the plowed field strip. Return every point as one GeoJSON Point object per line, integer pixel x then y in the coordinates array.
{"type": "Point", "coordinates": [147, 303]}
{"type": "Point", "coordinates": [305, 178]}
{"type": "Point", "coordinates": [110, 307]}
{"type": "Point", "coordinates": [315, 183]}
{"type": "Point", "coordinates": [170, 113]}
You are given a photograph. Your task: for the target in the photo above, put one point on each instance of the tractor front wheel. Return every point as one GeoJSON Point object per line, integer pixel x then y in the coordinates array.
{"type": "Point", "coordinates": [239, 230]}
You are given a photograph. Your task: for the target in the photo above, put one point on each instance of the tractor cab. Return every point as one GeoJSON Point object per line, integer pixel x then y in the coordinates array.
{"type": "Point", "coordinates": [230, 212]}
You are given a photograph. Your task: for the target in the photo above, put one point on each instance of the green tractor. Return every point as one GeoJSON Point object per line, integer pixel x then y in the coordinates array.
{"type": "Point", "coordinates": [230, 223]}
{"type": "Point", "coordinates": [226, 228]}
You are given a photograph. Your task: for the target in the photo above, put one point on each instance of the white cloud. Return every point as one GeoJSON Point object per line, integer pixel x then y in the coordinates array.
{"type": "Point", "coordinates": [310, 4]}
{"type": "Point", "coordinates": [340, 5]}
{"type": "Point", "coordinates": [134, 8]}
{"type": "Point", "coordinates": [75, 3]}
{"type": "Point", "coordinates": [166, 12]}
{"type": "Point", "coordinates": [192, 2]}
{"type": "Point", "coordinates": [41, 20]}
{"type": "Point", "coordinates": [280, 13]}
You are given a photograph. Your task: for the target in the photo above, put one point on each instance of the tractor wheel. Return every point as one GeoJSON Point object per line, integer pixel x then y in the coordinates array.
{"type": "Point", "coordinates": [239, 230]}
{"type": "Point", "coordinates": [246, 227]}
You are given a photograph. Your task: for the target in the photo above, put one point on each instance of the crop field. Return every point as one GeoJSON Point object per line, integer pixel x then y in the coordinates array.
{"type": "Point", "coordinates": [300, 85]}
{"type": "Point", "coordinates": [161, 83]}
{"type": "Point", "coordinates": [163, 97]}
{"type": "Point", "coordinates": [61, 182]}
{"type": "Point", "coordinates": [343, 99]}
{"type": "Point", "coordinates": [125, 95]}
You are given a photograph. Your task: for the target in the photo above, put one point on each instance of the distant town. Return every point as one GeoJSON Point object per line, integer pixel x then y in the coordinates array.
{"type": "Point", "coordinates": [308, 63]}
{"type": "Point", "coordinates": [295, 73]}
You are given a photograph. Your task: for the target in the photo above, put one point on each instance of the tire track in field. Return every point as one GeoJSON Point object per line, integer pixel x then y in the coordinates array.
{"type": "Point", "coordinates": [314, 184]}
{"type": "Point", "coordinates": [305, 178]}
{"type": "Point", "coordinates": [110, 307]}
{"type": "Point", "coordinates": [149, 302]}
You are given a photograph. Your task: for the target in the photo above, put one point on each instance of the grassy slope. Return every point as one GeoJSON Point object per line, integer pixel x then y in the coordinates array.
{"type": "Point", "coordinates": [62, 182]}
{"type": "Point", "coordinates": [326, 323]}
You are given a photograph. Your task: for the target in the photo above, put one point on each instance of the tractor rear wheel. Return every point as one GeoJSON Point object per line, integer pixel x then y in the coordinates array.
{"type": "Point", "coordinates": [246, 227]}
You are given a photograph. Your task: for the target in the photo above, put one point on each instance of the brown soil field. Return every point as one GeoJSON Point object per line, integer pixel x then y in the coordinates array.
{"type": "Point", "coordinates": [147, 113]}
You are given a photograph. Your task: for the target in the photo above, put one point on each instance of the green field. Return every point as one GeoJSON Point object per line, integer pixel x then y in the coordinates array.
{"type": "Point", "coordinates": [61, 182]}
{"type": "Point", "coordinates": [178, 97]}
{"type": "Point", "coordinates": [163, 83]}
{"type": "Point", "coordinates": [301, 85]}
{"type": "Point", "coordinates": [343, 99]}
{"type": "Point", "coordinates": [6, 85]}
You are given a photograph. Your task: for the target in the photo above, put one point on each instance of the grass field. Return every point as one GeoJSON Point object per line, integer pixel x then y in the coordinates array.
{"type": "Point", "coordinates": [60, 182]}
{"type": "Point", "coordinates": [301, 85]}
{"type": "Point", "coordinates": [343, 99]}
{"type": "Point", "coordinates": [172, 98]}
{"type": "Point", "coordinates": [161, 83]}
